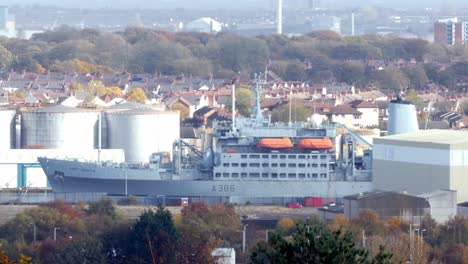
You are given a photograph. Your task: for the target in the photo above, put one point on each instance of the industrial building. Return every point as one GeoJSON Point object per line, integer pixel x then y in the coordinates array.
{"type": "Point", "coordinates": [422, 161]}
{"type": "Point", "coordinates": [387, 204]}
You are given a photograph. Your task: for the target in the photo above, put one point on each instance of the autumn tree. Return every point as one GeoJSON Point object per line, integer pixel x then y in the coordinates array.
{"type": "Point", "coordinates": [184, 110]}
{"type": "Point", "coordinates": [75, 87]}
{"type": "Point", "coordinates": [114, 90]}
{"type": "Point", "coordinates": [96, 88]}
{"type": "Point", "coordinates": [137, 95]}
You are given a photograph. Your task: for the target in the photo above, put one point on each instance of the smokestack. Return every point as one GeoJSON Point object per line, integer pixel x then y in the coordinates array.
{"type": "Point", "coordinates": [279, 29]}
{"type": "Point", "coordinates": [352, 23]}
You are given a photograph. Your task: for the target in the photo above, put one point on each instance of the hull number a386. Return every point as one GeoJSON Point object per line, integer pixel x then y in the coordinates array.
{"type": "Point", "coordinates": [223, 188]}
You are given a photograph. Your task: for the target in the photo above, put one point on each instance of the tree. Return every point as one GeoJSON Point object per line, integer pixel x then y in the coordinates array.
{"type": "Point", "coordinates": [6, 58]}
{"type": "Point", "coordinates": [184, 111]}
{"type": "Point", "coordinates": [114, 90]}
{"type": "Point", "coordinates": [244, 97]}
{"type": "Point", "coordinates": [74, 250]}
{"type": "Point", "coordinates": [5, 259]}
{"type": "Point", "coordinates": [154, 237]}
{"type": "Point", "coordinates": [96, 88]}
{"type": "Point", "coordinates": [413, 97]}
{"type": "Point", "coordinates": [75, 87]}
{"type": "Point", "coordinates": [295, 72]}
{"type": "Point", "coordinates": [348, 73]}
{"type": "Point", "coordinates": [391, 80]}
{"type": "Point", "coordinates": [313, 244]}
{"type": "Point", "coordinates": [299, 113]}
{"type": "Point", "coordinates": [417, 77]}
{"type": "Point", "coordinates": [44, 220]}
{"type": "Point", "coordinates": [137, 95]}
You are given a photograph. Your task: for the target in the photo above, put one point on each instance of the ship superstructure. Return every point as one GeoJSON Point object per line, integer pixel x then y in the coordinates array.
{"type": "Point", "coordinates": [248, 157]}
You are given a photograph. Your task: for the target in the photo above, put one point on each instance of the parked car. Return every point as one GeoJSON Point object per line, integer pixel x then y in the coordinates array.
{"type": "Point", "coordinates": [294, 205]}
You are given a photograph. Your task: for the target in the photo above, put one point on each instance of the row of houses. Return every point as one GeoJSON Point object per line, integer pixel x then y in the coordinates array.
{"type": "Point", "coordinates": [340, 103]}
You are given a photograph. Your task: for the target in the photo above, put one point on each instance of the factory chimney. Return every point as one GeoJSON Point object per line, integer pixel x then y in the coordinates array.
{"type": "Point", "coordinates": [352, 23]}
{"type": "Point", "coordinates": [279, 19]}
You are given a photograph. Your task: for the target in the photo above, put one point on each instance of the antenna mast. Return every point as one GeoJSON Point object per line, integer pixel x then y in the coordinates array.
{"type": "Point", "coordinates": [233, 107]}
{"type": "Point", "coordinates": [257, 111]}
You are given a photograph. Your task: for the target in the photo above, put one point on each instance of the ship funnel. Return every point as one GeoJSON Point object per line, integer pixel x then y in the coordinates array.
{"type": "Point", "coordinates": [402, 117]}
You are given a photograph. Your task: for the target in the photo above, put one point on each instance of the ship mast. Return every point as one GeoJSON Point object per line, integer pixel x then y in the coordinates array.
{"type": "Point", "coordinates": [233, 110]}
{"type": "Point", "coordinates": [257, 111]}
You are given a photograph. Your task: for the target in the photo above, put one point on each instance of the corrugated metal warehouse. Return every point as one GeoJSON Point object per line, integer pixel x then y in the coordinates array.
{"type": "Point", "coordinates": [423, 161]}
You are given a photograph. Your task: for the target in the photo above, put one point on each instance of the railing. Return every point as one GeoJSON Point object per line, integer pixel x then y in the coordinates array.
{"type": "Point", "coordinates": [45, 197]}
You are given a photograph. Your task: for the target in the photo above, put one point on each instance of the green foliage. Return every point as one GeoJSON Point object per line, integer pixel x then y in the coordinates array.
{"type": "Point", "coordinates": [81, 250]}
{"type": "Point", "coordinates": [244, 97]}
{"type": "Point", "coordinates": [154, 237]}
{"type": "Point", "coordinates": [328, 56]}
{"type": "Point", "coordinates": [299, 113]}
{"type": "Point", "coordinates": [216, 219]}
{"type": "Point", "coordinates": [413, 97]}
{"type": "Point", "coordinates": [45, 219]}
{"type": "Point", "coordinates": [104, 208]}
{"type": "Point", "coordinates": [313, 244]}
{"type": "Point", "coordinates": [96, 88]}
{"type": "Point", "coordinates": [238, 53]}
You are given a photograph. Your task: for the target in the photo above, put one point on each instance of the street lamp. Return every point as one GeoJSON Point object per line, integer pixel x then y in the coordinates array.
{"type": "Point", "coordinates": [243, 237]}
{"type": "Point", "coordinates": [55, 233]}
{"type": "Point", "coordinates": [34, 232]}
{"type": "Point", "coordinates": [126, 184]}
{"type": "Point", "coordinates": [244, 217]}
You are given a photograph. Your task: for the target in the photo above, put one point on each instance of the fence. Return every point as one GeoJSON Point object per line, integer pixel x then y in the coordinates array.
{"type": "Point", "coordinates": [37, 198]}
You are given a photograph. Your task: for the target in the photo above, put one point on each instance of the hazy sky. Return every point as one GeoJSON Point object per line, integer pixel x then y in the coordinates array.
{"type": "Point", "coordinates": [213, 4]}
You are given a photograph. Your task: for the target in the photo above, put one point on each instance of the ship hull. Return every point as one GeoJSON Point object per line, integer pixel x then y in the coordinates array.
{"type": "Point", "coordinates": [91, 180]}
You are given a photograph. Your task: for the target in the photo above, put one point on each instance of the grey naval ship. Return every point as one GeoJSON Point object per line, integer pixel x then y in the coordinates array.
{"type": "Point", "coordinates": [246, 157]}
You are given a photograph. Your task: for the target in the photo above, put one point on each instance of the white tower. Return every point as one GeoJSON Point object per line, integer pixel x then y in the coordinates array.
{"type": "Point", "coordinates": [279, 28]}
{"type": "Point", "coordinates": [352, 23]}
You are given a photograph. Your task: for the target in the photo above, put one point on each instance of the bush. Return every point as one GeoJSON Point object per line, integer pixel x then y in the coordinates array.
{"type": "Point", "coordinates": [130, 200]}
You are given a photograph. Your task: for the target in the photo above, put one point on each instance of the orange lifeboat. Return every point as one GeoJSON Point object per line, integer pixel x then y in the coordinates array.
{"type": "Point", "coordinates": [315, 144]}
{"type": "Point", "coordinates": [275, 143]}
{"type": "Point", "coordinates": [230, 150]}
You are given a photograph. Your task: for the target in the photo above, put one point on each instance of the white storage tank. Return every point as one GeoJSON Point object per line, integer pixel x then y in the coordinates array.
{"type": "Point", "coordinates": [141, 132]}
{"type": "Point", "coordinates": [402, 117]}
{"type": "Point", "coordinates": [7, 129]}
{"type": "Point", "coordinates": [59, 127]}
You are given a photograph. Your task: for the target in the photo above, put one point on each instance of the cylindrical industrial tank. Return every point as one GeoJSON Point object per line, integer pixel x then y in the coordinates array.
{"type": "Point", "coordinates": [59, 127]}
{"type": "Point", "coordinates": [7, 129]}
{"type": "Point", "coordinates": [141, 132]}
{"type": "Point", "coordinates": [402, 117]}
